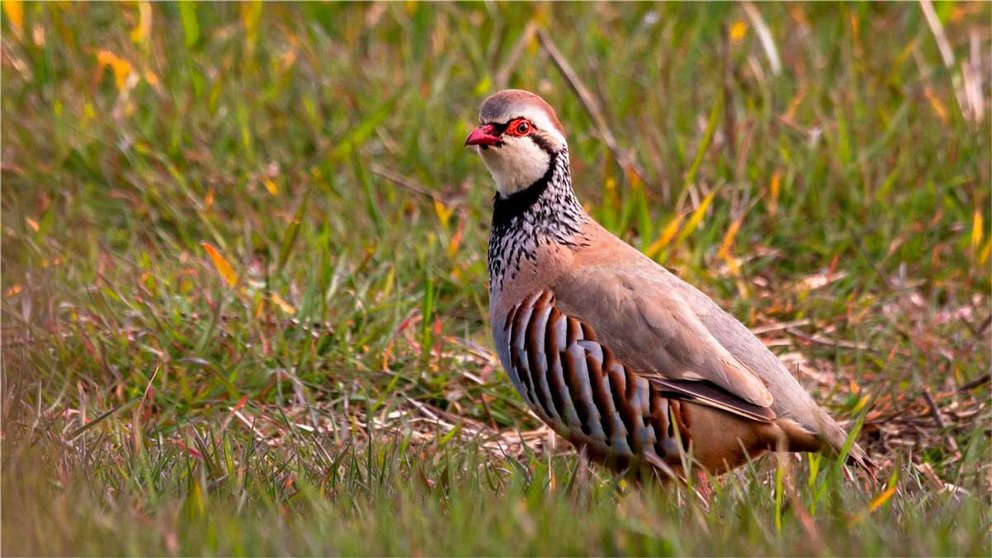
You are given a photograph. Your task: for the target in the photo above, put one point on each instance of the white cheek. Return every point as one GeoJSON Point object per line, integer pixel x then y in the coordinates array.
{"type": "Point", "coordinates": [515, 165]}
{"type": "Point", "coordinates": [542, 122]}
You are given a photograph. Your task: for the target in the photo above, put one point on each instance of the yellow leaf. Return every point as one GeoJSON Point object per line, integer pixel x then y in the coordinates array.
{"type": "Point", "coordinates": [936, 104]}
{"type": "Point", "coordinates": [794, 105]}
{"type": "Point", "coordinates": [864, 400]}
{"type": "Point", "coordinates": [13, 290]}
{"type": "Point", "coordinates": [884, 496]}
{"type": "Point", "coordinates": [287, 60]}
{"type": "Point", "coordinates": [738, 31]}
{"type": "Point", "coordinates": [697, 217]}
{"type": "Point", "coordinates": [32, 223]}
{"type": "Point", "coordinates": [534, 43]}
{"type": "Point", "coordinates": [208, 200]}
{"type": "Point", "coordinates": [977, 230]}
{"type": "Point", "coordinates": [484, 85]}
{"type": "Point", "coordinates": [196, 503]}
{"type": "Point", "coordinates": [633, 178]}
{"type": "Point", "coordinates": [774, 189]}
{"type": "Point", "coordinates": [387, 289]}
{"type": "Point", "coordinates": [610, 194]}
{"type": "Point", "coordinates": [151, 78]}
{"type": "Point", "coordinates": [15, 13]}
{"type": "Point", "coordinates": [728, 242]}
{"type": "Point", "coordinates": [148, 278]}
{"type": "Point", "coordinates": [733, 265]}
{"type": "Point", "coordinates": [282, 304]}
{"type": "Point", "coordinates": [143, 29]}
{"type": "Point", "coordinates": [728, 238]}
{"type": "Point", "coordinates": [251, 13]}
{"type": "Point", "coordinates": [666, 236]}
{"type": "Point", "coordinates": [271, 186]}
{"type": "Point", "coordinates": [456, 239]}
{"type": "Point", "coordinates": [443, 212]}
{"type": "Point", "coordinates": [983, 256]}
{"type": "Point", "coordinates": [878, 501]}
{"type": "Point", "coordinates": [120, 66]}
{"type": "Point", "coordinates": [223, 268]}
{"type": "Point", "coordinates": [542, 15]}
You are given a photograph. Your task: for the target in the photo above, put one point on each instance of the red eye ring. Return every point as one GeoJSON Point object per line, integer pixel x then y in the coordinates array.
{"type": "Point", "coordinates": [519, 127]}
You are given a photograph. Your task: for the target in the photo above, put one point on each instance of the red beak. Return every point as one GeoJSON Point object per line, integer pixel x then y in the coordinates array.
{"type": "Point", "coordinates": [483, 135]}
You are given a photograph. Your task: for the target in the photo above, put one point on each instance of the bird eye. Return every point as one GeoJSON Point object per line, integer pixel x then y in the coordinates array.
{"type": "Point", "coordinates": [518, 127]}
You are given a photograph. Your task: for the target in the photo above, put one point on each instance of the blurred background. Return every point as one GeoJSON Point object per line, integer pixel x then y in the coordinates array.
{"type": "Point", "coordinates": [244, 266]}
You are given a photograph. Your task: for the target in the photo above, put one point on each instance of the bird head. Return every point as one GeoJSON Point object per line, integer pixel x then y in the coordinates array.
{"type": "Point", "coordinates": [517, 136]}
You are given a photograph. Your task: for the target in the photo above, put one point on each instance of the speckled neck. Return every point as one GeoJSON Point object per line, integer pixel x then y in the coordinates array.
{"type": "Point", "coordinates": [545, 212]}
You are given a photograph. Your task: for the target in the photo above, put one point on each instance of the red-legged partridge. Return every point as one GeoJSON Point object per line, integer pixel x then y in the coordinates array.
{"type": "Point", "coordinates": [616, 354]}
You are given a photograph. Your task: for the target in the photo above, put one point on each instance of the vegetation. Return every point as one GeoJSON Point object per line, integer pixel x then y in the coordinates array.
{"type": "Point", "coordinates": [244, 286]}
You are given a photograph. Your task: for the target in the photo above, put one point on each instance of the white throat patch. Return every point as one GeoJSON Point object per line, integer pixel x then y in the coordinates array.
{"type": "Point", "coordinates": [516, 164]}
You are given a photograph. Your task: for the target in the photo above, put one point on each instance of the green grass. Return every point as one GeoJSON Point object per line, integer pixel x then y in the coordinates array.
{"type": "Point", "coordinates": [336, 391]}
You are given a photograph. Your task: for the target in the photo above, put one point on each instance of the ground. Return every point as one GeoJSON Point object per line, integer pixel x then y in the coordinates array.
{"type": "Point", "coordinates": [244, 287]}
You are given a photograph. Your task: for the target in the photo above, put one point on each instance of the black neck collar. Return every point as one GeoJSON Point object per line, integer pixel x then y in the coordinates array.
{"type": "Point", "coordinates": [517, 203]}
